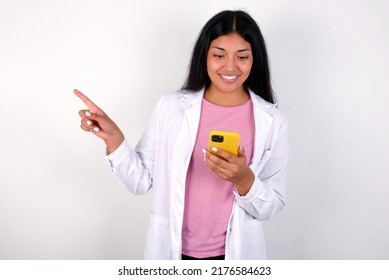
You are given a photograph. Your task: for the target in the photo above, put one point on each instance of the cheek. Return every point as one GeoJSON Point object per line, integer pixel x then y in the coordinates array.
{"type": "Point", "coordinates": [247, 68]}
{"type": "Point", "coordinates": [209, 61]}
{"type": "Point", "coordinates": [212, 65]}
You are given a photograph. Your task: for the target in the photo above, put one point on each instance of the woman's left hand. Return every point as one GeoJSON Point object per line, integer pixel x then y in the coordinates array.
{"type": "Point", "coordinates": [231, 168]}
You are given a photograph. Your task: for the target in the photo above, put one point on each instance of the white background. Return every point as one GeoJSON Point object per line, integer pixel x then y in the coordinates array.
{"type": "Point", "coordinates": [58, 199]}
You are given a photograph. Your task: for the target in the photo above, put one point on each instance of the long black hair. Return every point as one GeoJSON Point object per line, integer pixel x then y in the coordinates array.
{"type": "Point", "coordinates": [224, 23]}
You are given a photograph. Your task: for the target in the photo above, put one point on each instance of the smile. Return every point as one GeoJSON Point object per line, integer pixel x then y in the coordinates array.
{"type": "Point", "coordinates": [228, 78]}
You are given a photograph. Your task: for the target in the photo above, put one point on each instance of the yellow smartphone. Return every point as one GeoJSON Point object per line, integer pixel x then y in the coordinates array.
{"type": "Point", "coordinates": [224, 140]}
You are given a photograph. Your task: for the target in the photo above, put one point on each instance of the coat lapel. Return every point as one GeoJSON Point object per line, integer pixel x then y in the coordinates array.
{"type": "Point", "coordinates": [192, 113]}
{"type": "Point", "coordinates": [263, 121]}
{"type": "Point", "coordinates": [185, 142]}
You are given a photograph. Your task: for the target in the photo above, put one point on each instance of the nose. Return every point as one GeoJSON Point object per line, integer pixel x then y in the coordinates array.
{"type": "Point", "coordinates": [230, 63]}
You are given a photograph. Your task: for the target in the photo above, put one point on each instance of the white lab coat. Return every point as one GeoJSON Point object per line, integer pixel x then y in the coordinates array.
{"type": "Point", "coordinates": [161, 159]}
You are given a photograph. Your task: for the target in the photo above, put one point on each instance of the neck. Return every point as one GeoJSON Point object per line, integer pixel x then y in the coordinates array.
{"type": "Point", "coordinates": [227, 99]}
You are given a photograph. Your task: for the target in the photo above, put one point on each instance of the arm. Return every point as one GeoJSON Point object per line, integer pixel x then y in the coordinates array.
{"type": "Point", "coordinates": [267, 194]}
{"type": "Point", "coordinates": [135, 167]}
{"type": "Point", "coordinates": [260, 190]}
{"type": "Point", "coordinates": [133, 170]}
{"type": "Point", "coordinates": [130, 169]}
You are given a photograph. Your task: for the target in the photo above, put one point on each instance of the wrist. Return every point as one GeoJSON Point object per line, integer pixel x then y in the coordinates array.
{"type": "Point", "coordinates": [113, 143]}
{"type": "Point", "coordinates": [246, 183]}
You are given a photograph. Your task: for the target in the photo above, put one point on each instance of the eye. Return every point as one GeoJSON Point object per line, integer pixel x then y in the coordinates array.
{"type": "Point", "coordinates": [242, 58]}
{"type": "Point", "coordinates": [218, 56]}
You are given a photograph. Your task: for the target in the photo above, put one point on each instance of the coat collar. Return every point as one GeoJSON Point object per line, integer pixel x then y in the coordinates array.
{"type": "Point", "coordinates": [194, 97]}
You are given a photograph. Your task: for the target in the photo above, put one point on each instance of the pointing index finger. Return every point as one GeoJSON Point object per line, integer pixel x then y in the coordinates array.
{"type": "Point", "coordinates": [91, 106]}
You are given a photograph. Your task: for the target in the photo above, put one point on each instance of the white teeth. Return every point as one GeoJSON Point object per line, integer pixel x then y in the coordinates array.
{"type": "Point", "coordinates": [229, 77]}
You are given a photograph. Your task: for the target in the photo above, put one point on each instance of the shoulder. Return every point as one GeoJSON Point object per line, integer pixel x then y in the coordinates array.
{"type": "Point", "coordinates": [172, 96]}
{"type": "Point", "coordinates": [262, 105]}
{"type": "Point", "coordinates": [176, 102]}
{"type": "Point", "coordinates": [180, 98]}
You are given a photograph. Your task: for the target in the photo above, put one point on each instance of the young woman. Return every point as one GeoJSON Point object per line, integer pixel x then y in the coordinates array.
{"type": "Point", "coordinates": [207, 205]}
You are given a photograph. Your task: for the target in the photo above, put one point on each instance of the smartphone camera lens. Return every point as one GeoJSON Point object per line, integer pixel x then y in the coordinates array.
{"type": "Point", "coordinates": [217, 138]}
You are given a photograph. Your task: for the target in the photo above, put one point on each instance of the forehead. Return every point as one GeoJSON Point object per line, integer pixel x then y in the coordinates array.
{"type": "Point", "coordinates": [231, 42]}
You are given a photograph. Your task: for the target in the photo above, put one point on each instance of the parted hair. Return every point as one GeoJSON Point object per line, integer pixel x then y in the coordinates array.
{"type": "Point", "coordinates": [224, 23]}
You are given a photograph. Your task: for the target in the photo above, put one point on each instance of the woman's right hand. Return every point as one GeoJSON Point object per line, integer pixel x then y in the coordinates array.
{"type": "Point", "coordinates": [96, 121]}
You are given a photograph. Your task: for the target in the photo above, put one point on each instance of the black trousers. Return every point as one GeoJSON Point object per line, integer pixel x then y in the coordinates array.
{"type": "Point", "coordinates": [184, 257]}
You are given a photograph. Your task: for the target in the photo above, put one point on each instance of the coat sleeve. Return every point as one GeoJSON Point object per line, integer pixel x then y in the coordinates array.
{"type": "Point", "coordinates": [267, 195]}
{"type": "Point", "coordinates": [134, 167]}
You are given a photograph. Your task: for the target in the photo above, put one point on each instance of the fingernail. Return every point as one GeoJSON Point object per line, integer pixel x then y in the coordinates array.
{"type": "Point", "coordinates": [88, 114]}
{"type": "Point", "coordinates": [204, 151]}
{"type": "Point", "coordinates": [96, 129]}
{"type": "Point", "coordinates": [214, 149]}
{"type": "Point", "coordinates": [88, 122]}
{"type": "Point", "coordinates": [241, 148]}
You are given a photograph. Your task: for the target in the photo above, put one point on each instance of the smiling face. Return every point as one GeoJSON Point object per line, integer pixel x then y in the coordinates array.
{"type": "Point", "coordinates": [229, 63]}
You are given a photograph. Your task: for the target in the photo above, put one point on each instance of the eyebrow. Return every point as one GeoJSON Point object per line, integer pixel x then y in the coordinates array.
{"type": "Point", "coordinates": [222, 49]}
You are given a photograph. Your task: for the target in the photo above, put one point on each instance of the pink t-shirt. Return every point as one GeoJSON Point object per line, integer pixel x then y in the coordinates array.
{"type": "Point", "coordinates": [208, 198]}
